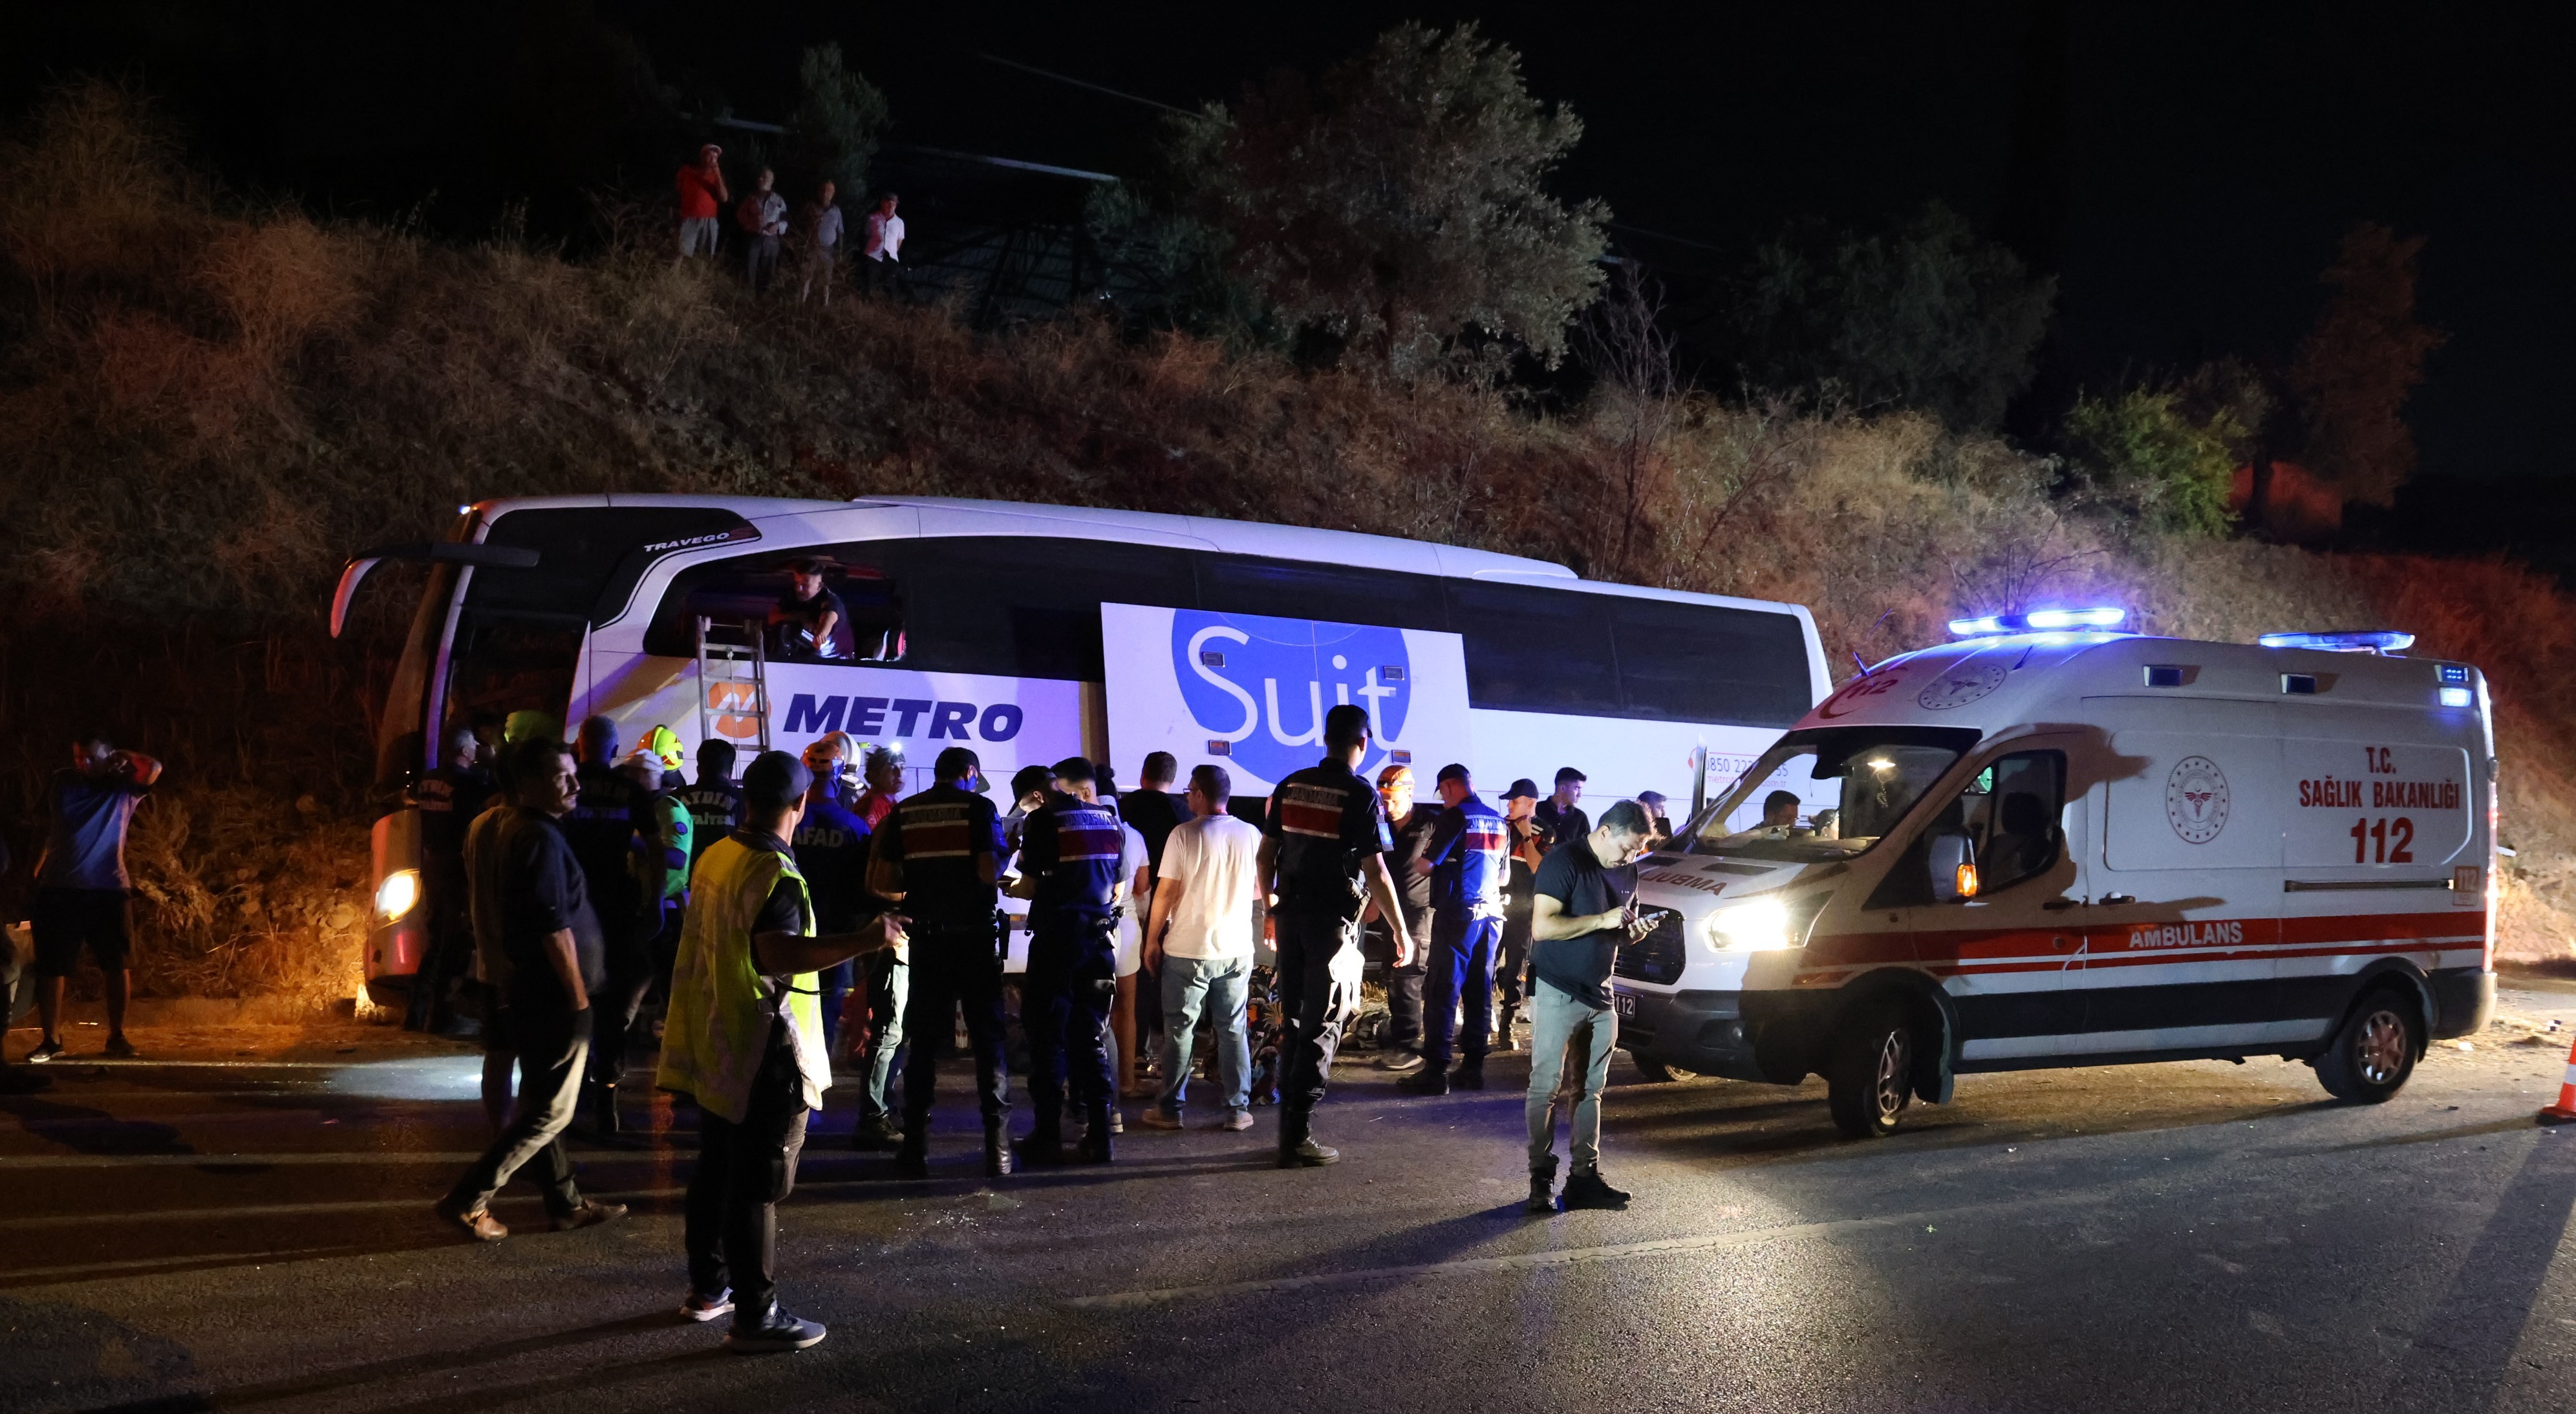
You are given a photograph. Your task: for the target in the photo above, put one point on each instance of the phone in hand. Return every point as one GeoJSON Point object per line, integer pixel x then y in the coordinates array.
{"type": "Point", "coordinates": [1642, 921]}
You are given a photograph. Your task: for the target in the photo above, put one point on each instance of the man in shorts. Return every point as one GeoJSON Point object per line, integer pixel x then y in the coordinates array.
{"type": "Point", "coordinates": [82, 886]}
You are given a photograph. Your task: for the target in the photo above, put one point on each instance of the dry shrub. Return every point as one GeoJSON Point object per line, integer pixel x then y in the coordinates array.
{"type": "Point", "coordinates": [209, 408]}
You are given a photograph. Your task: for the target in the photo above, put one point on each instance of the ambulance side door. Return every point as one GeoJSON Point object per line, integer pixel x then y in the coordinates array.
{"type": "Point", "coordinates": [2007, 956]}
{"type": "Point", "coordinates": [2186, 914]}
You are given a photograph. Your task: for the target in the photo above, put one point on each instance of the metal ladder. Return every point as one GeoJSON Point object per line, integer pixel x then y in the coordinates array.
{"type": "Point", "coordinates": [733, 677]}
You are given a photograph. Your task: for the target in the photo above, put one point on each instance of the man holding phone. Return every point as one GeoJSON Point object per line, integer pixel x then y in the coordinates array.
{"type": "Point", "coordinates": [1584, 907]}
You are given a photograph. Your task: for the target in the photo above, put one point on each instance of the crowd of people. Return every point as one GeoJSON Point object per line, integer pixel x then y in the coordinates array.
{"type": "Point", "coordinates": [810, 910]}
{"type": "Point", "coordinates": [808, 246]}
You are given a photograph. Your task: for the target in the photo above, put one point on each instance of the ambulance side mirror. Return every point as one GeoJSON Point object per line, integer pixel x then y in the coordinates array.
{"type": "Point", "coordinates": [1953, 862]}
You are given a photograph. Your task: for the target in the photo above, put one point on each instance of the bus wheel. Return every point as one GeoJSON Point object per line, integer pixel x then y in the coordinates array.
{"type": "Point", "coordinates": [1658, 1072]}
{"type": "Point", "coordinates": [1870, 1076]}
{"type": "Point", "coordinates": [2374, 1052]}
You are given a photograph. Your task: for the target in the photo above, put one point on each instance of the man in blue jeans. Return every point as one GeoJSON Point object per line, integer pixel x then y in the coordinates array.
{"type": "Point", "coordinates": [1584, 909]}
{"type": "Point", "coordinates": [1200, 938]}
{"type": "Point", "coordinates": [1465, 863]}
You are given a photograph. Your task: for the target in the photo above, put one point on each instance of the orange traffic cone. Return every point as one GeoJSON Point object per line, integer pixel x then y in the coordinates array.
{"type": "Point", "coordinates": [2564, 1112]}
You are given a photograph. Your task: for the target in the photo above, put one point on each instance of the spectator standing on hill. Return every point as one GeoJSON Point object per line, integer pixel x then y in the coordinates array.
{"type": "Point", "coordinates": [1323, 855]}
{"type": "Point", "coordinates": [885, 247]}
{"type": "Point", "coordinates": [1528, 845]}
{"type": "Point", "coordinates": [1586, 908]}
{"type": "Point", "coordinates": [1412, 823]}
{"type": "Point", "coordinates": [1199, 938]}
{"type": "Point", "coordinates": [82, 888]}
{"type": "Point", "coordinates": [818, 244]}
{"type": "Point", "coordinates": [1558, 815]}
{"type": "Point", "coordinates": [550, 957]}
{"type": "Point", "coordinates": [702, 195]}
{"type": "Point", "coordinates": [607, 830]}
{"type": "Point", "coordinates": [448, 798]}
{"type": "Point", "coordinates": [745, 1040]}
{"type": "Point", "coordinates": [763, 215]}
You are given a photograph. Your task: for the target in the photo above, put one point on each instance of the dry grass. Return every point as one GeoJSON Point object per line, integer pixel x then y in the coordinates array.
{"type": "Point", "coordinates": [202, 409]}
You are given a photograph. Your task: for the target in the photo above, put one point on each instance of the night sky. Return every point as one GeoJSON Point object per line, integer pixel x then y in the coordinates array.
{"type": "Point", "coordinates": [2185, 167]}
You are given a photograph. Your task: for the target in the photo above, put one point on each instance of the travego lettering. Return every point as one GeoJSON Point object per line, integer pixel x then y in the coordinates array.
{"type": "Point", "coordinates": [902, 717]}
{"type": "Point", "coordinates": [2187, 935]}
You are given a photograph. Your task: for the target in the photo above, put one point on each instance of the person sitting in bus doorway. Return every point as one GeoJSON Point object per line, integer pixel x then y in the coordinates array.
{"type": "Point", "coordinates": [1323, 854]}
{"type": "Point", "coordinates": [1558, 815]}
{"type": "Point", "coordinates": [608, 830]}
{"type": "Point", "coordinates": [1528, 845]}
{"type": "Point", "coordinates": [1465, 865]}
{"type": "Point", "coordinates": [808, 618]}
{"type": "Point", "coordinates": [537, 898]}
{"type": "Point", "coordinates": [1584, 909]}
{"type": "Point", "coordinates": [940, 854]}
{"type": "Point", "coordinates": [82, 887]}
{"type": "Point", "coordinates": [448, 797]}
{"type": "Point", "coordinates": [1411, 823]}
{"type": "Point", "coordinates": [1070, 848]}
{"type": "Point", "coordinates": [714, 802]}
{"type": "Point", "coordinates": [745, 1040]}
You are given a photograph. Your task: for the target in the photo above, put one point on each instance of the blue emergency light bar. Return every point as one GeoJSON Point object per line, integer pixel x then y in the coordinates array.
{"type": "Point", "coordinates": [2037, 620]}
{"type": "Point", "coordinates": [2360, 640]}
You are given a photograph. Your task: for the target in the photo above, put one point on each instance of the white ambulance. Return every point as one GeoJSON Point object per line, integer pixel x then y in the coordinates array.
{"type": "Point", "coordinates": [2046, 844]}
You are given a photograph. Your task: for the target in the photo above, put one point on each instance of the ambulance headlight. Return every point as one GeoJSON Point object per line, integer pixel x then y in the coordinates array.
{"type": "Point", "coordinates": [1761, 925]}
{"type": "Point", "coordinates": [398, 895]}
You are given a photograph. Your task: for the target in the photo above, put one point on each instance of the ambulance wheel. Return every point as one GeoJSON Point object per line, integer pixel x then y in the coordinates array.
{"type": "Point", "coordinates": [2375, 1050]}
{"type": "Point", "coordinates": [1870, 1075]}
{"type": "Point", "coordinates": [1660, 1073]}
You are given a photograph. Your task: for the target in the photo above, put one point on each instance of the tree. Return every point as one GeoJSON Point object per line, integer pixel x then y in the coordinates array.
{"type": "Point", "coordinates": [2142, 455]}
{"type": "Point", "coordinates": [1399, 207]}
{"type": "Point", "coordinates": [839, 117]}
{"type": "Point", "coordinates": [2359, 364]}
{"type": "Point", "coordinates": [1928, 316]}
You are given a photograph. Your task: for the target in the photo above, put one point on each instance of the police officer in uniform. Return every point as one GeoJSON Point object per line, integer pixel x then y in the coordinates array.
{"type": "Point", "coordinates": [940, 853]}
{"type": "Point", "coordinates": [1323, 854]}
{"type": "Point", "coordinates": [714, 803]}
{"type": "Point", "coordinates": [448, 799]}
{"type": "Point", "coordinates": [1465, 866]}
{"type": "Point", "coordinates": [605, 830]}
{"type": "Point", "coordinates": [1069, 852]}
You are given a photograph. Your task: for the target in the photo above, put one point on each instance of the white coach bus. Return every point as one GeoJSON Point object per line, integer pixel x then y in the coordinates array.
{"type": "Point", "coordinates": [1032, 633]}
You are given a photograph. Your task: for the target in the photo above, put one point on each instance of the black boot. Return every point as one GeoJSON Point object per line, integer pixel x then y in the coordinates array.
{"type": "Point", "coordinates": [913, 1159]}
{"type": "Point", "coordinates": [1096, 1147]}
{"type": "Point", "coordinates": [1470, 1075]}
{"type": "Point", "coordinates": [1503, 1032]}
{"type": "Point", "coordinates": [997, 1150]}
{"type": "Point", "coordinates": [1042, 1148]}
{"type": "Point", "coordinates": [1588, 1190]}
{"type": "Point", "coordinates": [1542, 1197]}
{"type": "Point", "coordinates": [1430, 1080]}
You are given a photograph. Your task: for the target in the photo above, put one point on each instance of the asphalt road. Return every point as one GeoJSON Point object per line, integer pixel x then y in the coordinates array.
{"type": "Point", "coordinates": [220, 1228]}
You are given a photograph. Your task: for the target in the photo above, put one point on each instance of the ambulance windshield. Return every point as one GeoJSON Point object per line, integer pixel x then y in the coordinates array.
{"type": "Point", "coordinates": [1827, 793]}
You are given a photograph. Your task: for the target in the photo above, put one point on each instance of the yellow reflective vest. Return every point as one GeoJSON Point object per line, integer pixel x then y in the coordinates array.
{"type": "Point", "coordinates": [722, 1007]}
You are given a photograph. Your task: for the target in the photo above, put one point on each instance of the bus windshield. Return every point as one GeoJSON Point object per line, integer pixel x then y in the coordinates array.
{"type": "Point", "coordinates": [1827, 793]}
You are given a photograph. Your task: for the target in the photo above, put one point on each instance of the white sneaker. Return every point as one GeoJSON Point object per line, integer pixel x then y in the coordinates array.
{"type": "Point", "coordinates": [1402, 1061]}
{"type": "Point", "coordinates": [1236, 1120]}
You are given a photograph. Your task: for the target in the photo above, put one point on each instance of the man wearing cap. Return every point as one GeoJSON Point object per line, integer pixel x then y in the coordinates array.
{"type": "Point", "coordinates": [1528, 845]}
{"type": "Point", "coordinates": [1411, 823]}
{"type": "Point", "coordinates": [940, 853]}
{"type": "Point", "coordinates": [702, 195]}
{"type": "Point", "coordinates": [1323, 855]}
{"type": "Point", "coordinates": [1465, 866]}
{"type": "Point", "coordinates": [745, 1040]}
{"type": "Point", "coordinates": [1558, 815]}
{"type": "Point", "coordinates": [1070, 849]}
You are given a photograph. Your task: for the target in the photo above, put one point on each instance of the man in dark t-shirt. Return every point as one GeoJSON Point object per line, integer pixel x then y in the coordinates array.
{"type": "Point", "coordinates": [551, 958]}
{"type": "Point", "coordinates": [1583, 910]}
{"type": "Point", "coordinates": [1558, 815]}
{"type": "Point", "coordinates": [448, 798]}
{"type": "Point", "coordinates": [940, 853]}
{"type": "Point", "coordinates": [812, 621]}
{"type": "Point", "coordinates": [713, 801]}
{"type": "Point", "coordinates": [1411, 824]}
{"type": "Point", "coordinates": [82, 886]}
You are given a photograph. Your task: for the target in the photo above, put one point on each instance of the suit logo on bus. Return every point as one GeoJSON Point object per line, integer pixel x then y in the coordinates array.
{"type": "Point", "coordinates": [2196, 799]}
{"type": "Point", "coordinates": [1262, 685]}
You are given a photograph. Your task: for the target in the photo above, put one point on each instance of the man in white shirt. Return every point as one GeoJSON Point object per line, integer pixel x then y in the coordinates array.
{"type": "Point", "coordinates": [1201, 937]}
{"type": "Point", "coordinates": [763, 214]}
{"type": "Point", "coordinates": [885, 246]}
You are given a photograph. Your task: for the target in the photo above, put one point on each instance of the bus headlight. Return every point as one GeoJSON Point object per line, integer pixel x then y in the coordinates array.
{"type": "Point", "coordinates": [398, 894]}
{"type": "Point", "coordinates": [1760, 925]}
